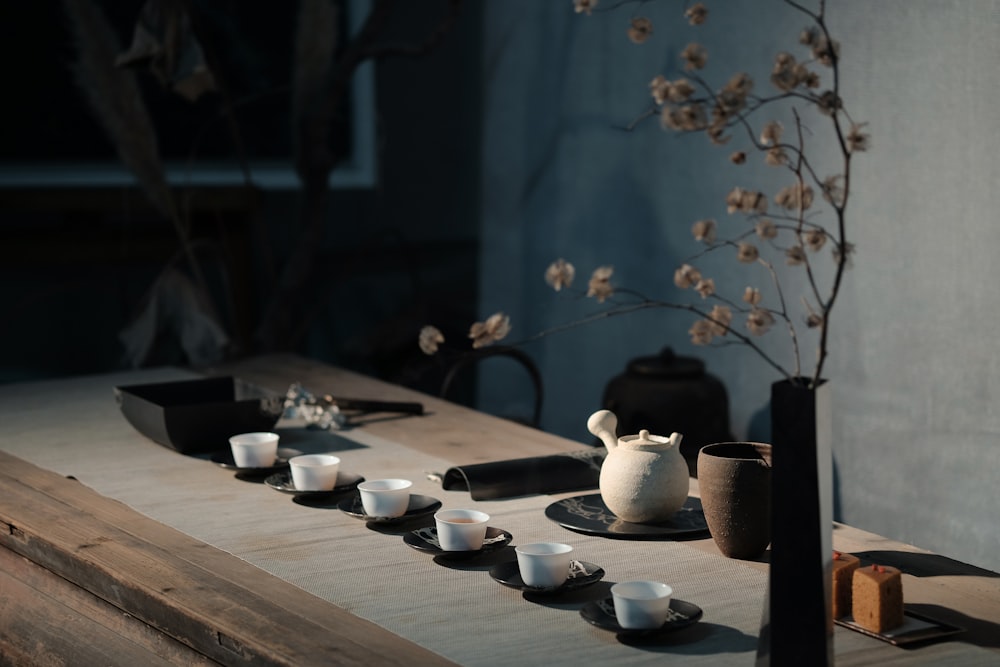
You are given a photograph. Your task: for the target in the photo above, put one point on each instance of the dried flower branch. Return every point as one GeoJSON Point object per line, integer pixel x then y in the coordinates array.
{"type": "Point", "coordinates": [790, 227]}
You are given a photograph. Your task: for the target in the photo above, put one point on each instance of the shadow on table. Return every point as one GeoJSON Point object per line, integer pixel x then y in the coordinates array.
{"type": "Point", "coordinates": [699, 639]}
{"type": "Point", "coordinates": [315, 441]}
{"type": "Point", "coordinates": [480, 563]}
{"type": "Point", "coordinates": [368, 418]}
{"type": "Point", "coordinates": [923, 565]}
{"type": "Point", "coordinates": [572, 599]}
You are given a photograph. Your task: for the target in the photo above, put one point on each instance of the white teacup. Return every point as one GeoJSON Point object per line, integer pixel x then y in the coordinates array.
{"type": "Point", "coordinates": [385, 497]}
{"type": "Point", "coordinates": [641, 604]}
{"type": "Point", "coordinates": [254, 450]}
{"type": "Point", "coordinates": [461, 530]}
{"type": "Point", "coordinates": [543, 564]}
{"type": "Point", "coordinates": [314, 472]}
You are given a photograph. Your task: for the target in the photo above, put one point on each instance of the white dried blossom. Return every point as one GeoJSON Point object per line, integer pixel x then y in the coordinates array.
{"type": "Point", "coordinates": [759, 321]}
{"type": "Point", "coordinates": [833, 189]}
{"type": "Point", "coordinates": [686, 276]}
{"type": "Point", "coordinates": [600, 283]}
{"type": "Point", "coordinates": [720, 318]}
{"type": "Point", "coordinates": [732, 98]}
{"type": "Point", "coordinates": [752, 295]}
{"type": "Point", "coordinates": [659, 88]}
{"type": "Point", "coordinates": [805, 76]}
{"type": "Point", "coordinates": [430, 338]}
{"type": "Point", "coordinates": [813, 319]}
{"type": "Point", "coordinates": [815, 239]}
{"type": "Point", "coordinates": [560, 274]}
{"type": "Point", "coordinates": [681, 90]}
{"type": "Point", "coordinates": [826, 50]}
{"type": "Point", "coordinates": [701, 332]}
{"type": "Point", "coordinates": [795, 197]}
{"type": "Point", "coordinates": [795, 256]}
{"type": "Point", "coordinates": [776, 157]}
{"type": "Point", "coordinates": [858, 141]}
{"type": "Point", "coordinates": [584, 6]}
{"type": "Point", "coordinates": [828, 103]}
{"type": "Point", "coordinates": [766, 229]}
{"type": "Point", "coordinates": [771, 133]}
{"type": "Point", "coordinates": [705, 287]}
{"type": "Point", "coordinates": [640, 29]}
{"type": "Point", "coordinates": [664, 91]}
{"type": "Point", "coordinates": [808, 36]}
{"type": "Point", "coordinates": [704, 230]}
{"type": "Point", "coordinates": [688, 118]}
{"type": "Point", "coordinates": [784, 76]}
{"type": "Point", "coordinates": [696, 14]}
{"type": "Point", "coordinates": [717, 132]}
{"type": "Point", "coordinates": [747, 252]}
{"type": "Point", "coordinates": [495, 328]}
{"type": "Point", "coordinates": [844, 255]}
{"type": "Point", "coordinates": [695, 56]}
{"type": "Point", "coordinates": [746, 201]}
{"type": "Point", "coordinates": [738, 157]}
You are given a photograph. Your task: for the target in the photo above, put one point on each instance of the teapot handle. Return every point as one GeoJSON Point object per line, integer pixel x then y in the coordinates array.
{"type": "Point", "coordinates": [604, 424]}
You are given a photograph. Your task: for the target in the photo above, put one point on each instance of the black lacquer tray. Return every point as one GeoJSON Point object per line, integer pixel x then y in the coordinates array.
{"type": "Point", "coordinates": [589, 515]}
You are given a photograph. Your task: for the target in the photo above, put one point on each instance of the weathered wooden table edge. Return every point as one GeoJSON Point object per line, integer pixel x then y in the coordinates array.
{"type": "Point", "coordinates": [147, 594]}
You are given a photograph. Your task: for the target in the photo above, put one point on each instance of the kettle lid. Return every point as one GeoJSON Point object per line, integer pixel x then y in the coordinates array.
{"type": "Point", "coordinates": [667, 365]}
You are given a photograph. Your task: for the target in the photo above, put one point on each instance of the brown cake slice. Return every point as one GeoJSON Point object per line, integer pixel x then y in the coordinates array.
{"type": "Point", "coordinates": [844, 566]}
{"type": "Point", "coordinates": [877, 594]}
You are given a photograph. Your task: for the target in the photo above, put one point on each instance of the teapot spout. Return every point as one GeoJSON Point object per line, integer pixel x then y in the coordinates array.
{"type": "Point", "coordinates": [604, 424]}
{"type": "Point", "coordinates": [675, 439]}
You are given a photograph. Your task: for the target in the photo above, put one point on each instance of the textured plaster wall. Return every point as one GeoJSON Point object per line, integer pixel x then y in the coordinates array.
{"type": "Point", "coordinates": [914, 362]}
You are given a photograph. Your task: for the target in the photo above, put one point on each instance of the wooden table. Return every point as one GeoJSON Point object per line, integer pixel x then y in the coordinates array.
{"type": "Point", "coordinates": [101, 569]}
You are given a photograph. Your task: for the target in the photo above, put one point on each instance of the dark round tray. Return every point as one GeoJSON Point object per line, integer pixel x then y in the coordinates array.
{"type": "Point", "coordinates": [589, 515]}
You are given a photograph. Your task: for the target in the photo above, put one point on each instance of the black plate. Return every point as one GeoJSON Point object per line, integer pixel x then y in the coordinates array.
{"type": "Point", "coordinates": [602, 614]}
{"type": "Point", "coordinates": [915, 628]}
{"type": "Point", "coordinates": [282, 481]}
{"type": "Point", "coordinates": [419, 506]}
{"type": "Point", "coordinates": [224, 458]}
{"type": "Point", "coordinates": [426, 540]}
{"type": "Point", "coordinates": [588, 514]}
{"type": "Point", "coordinates": [581, 574]}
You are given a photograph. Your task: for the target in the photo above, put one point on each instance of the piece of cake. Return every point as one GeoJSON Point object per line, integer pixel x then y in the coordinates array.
{"type": "Point", "coordinates": [844, 566]}
{"type": "Point", "coordinates": [877, 598]}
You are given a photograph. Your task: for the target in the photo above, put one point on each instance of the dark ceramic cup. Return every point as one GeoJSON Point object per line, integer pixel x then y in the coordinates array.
{"type": "Point", "coordinates": [735, 483]}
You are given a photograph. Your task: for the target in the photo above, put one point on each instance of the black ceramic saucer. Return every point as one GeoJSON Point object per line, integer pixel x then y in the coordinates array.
{"type": "Point", "coordinates": [419, 506]}
{"type": "Point", "coordinates": [581, 574]}
{"type": "Point", "coordinates": [426, 540]}
{"type": "Point", "coordinates": [282, 481]}
{"type": "Point", "coordinates": [602, 614]}
{"type": "Point", "coordinates": [224, 458]}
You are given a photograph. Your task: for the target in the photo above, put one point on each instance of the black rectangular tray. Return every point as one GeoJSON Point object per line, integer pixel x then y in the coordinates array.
{"type": "Point", "coordinates": [916, 628]}
{"type": "Point", "coordinates": [198, 416]}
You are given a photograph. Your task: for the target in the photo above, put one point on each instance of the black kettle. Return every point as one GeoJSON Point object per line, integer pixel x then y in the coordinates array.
{"type": "Point", "coordinates": [667, 393]}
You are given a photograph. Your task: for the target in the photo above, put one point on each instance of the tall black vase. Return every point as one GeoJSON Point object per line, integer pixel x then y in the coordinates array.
{"type": "Point", "coordinates": [798, 626]}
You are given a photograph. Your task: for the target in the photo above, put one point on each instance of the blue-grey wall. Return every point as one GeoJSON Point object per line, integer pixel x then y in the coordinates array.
{"type": "Point", "coordinates": [913, 359]}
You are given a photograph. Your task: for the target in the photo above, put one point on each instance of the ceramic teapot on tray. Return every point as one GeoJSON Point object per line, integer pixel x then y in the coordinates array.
{"type": "Point", "coordinates": [644, 478]}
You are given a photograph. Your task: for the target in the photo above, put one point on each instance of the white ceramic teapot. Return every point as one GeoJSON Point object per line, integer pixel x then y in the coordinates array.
{"type": "Point", "coordinates": [644, 478]}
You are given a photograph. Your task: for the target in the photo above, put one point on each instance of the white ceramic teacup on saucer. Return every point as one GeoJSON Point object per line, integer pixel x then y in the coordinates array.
{"type": "Point", "coordinates": [385, 497]}
{"type": "Point", "coordinates": [543, 564]}
{"type": "Point", "coordinates": [461, 530]}
{"type": "Point", "coordinates": [314, 472]}
{"type": "Point", "coordinates": [641, 604]}
{"type": "Point", "coordinates": [254, 450]}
